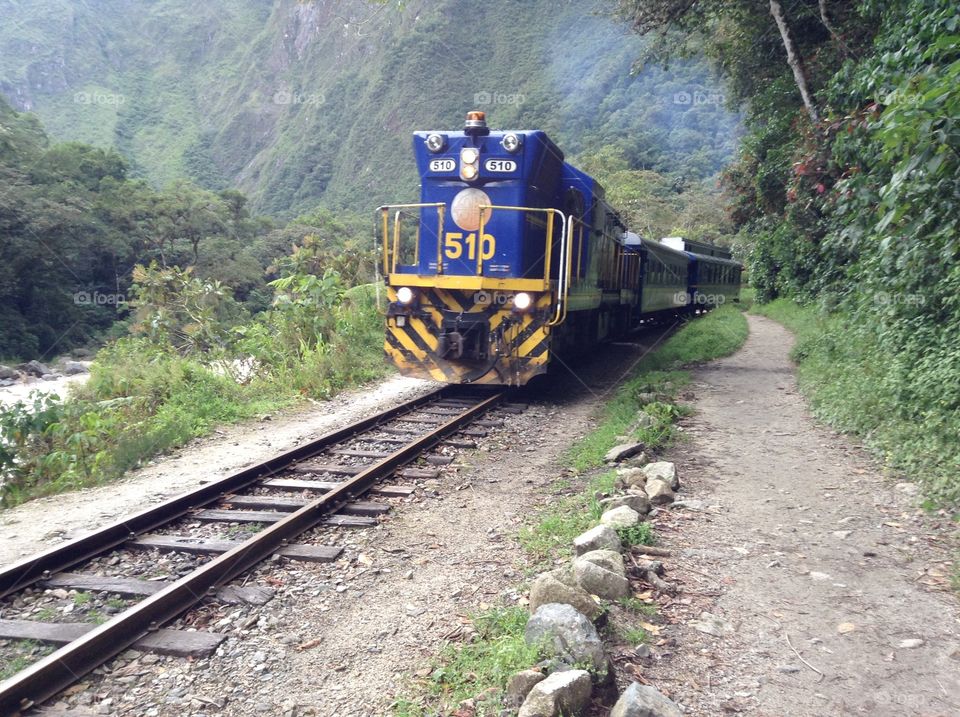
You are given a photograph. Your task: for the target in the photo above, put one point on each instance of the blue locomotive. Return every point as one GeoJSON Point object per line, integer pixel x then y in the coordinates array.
{"type": "Point", "coordinates": [513, 256]}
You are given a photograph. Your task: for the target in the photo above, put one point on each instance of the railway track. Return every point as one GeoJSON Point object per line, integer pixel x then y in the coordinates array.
{"type": "Point", "coordinates": [333, 480]}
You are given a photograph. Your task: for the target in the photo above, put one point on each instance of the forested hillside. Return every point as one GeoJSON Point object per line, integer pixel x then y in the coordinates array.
{"type": "Point", "coordinates": [300, 103]}
{"type": "Point", "coordinates": [846, 195]}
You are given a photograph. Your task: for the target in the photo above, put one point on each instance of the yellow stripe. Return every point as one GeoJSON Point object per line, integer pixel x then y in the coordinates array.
{"type": "Point", "coordinates": [531, 343]}
{"type": "Point", "coordinates": [429, 339]}
{"type": "Point", "coordinates": [448, 300]}
{"type": "Point", "coordinates": [469, 283]}
{"type": "Point", "coordinates": [408, 344]}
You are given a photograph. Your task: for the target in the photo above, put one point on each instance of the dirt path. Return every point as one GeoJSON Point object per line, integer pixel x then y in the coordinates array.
{"type": "Point", "coordinates": [801, 538]}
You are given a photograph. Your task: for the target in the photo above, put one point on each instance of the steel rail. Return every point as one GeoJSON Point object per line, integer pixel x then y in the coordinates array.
{"type": "Point", "coordinates": [62, 668]}
{"type": "Point", "coordinates": [18, 575]}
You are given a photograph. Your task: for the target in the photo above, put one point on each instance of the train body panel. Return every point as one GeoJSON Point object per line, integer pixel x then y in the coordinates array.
{"type": "Point", "coordinates": [512, 256]}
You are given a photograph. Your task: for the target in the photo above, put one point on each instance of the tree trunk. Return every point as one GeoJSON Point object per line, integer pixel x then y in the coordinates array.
{"type": "Point", "coordinates": [794, 60]}
{"type": "Point", "coordinates": [825, 19]}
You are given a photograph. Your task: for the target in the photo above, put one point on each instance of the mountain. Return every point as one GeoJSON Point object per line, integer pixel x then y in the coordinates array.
{"type": "Point", "coordinates": [306, 103]}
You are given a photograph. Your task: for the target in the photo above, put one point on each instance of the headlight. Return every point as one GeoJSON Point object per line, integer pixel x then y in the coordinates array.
{"type": "Point", "coordinates": [469, 155]}
{"type": "Point", "coordinates": [522, 301]}
{"type": "Point", "coordinates": [435, 142]}
{"type": "Point", "coordinates": [468, 172]}
{"type": "Point", "coordinates": [511, 143]}
{"type": "Point", "coordinates": [404, 294]}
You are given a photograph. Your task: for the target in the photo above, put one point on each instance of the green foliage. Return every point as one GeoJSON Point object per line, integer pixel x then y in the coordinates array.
{"type": "Point", "coordinates": [256, 95]}
{"type": "Point", "coordinates": [639, 534]}
{"type": "Point", "coordinates": [496, 652]}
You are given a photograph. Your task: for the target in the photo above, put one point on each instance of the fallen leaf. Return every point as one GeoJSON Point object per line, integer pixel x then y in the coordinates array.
{"type": "Point", "coordinates": [309, 644]}
{"type": "Point", "coordinates": [844, 627]}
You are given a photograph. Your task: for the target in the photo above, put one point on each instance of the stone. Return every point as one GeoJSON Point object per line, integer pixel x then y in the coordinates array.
{"type": "Point", "coordinates": [610, 560]}
{"type": "Point", "coordinates": [4, 382]}
{"type": "Point", "coordinates": [33, 368]}
{"type": "Point", "coordinates": [632, 476]}
{"type": "Point", "coordinates": [659, 492]}
{"type": "Point", "coordinates": [562, 693]}
{"type": "Point", "coordinates": [644, 701]}
{"type": "Point", "coordinates": [7, 372]}
{"type": "Point", "coordinates": [645, 420]}
{"type": "Point", "coordinates": [568, 635]}
{"type": "Point", "coordinates": [710, 624]}
{"type": "Point", "coordinates": [560, 586]}
{"type": "Point", "coordinates": [73, 368]}
{"type": "Point", "coordinates": [637, 461]}
{"type": "Point", "coordinates": [632, 499]}
{"type": "Point", "coordinates": [601, 537]}
{"type": "Point", "coordinates": [50, 376]}
{"type": "Point", "coordinates": [664, 470]}
{"type": "Point", "coordinates": [647, 397]}
{"type": "Point", "coordinates": [599, 581]}
{"type": "Point", "coordinates": [624, 450]}
{"type": "Point", "coordinates": [622, 517]}
{"type": "Point", "coordinates": [520, 684]}
{"type": "Point", "coordinates": [689, 504]}
{"type": "Point", "coordinates": [911, 643]}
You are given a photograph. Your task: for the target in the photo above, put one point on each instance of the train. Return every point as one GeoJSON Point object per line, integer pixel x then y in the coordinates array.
{"type": "Point", "coordinates": [513, 259]}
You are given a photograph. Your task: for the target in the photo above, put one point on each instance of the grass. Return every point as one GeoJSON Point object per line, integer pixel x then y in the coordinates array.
{"type": "Point", "coordinates": [633, 635]}
{"type": "Point", "coordinates": [464, 671]}
{"type": "Point", "coordinates": [639, 534]}
{"type": "Point", "coordinates": [635, 604]}
{"type": "Point", "coordinates": [30, 651]}
{"type": "Point", "coordinates": [81, 599]}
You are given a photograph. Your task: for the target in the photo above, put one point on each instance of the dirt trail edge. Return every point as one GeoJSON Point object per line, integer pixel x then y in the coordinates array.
{"type": "Point", "coordinates": [831, 588]}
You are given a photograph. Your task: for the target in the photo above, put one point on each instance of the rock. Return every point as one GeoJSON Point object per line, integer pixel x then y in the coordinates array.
{"type": "Point", "coordinates": [624, 450]}
{"type": "Point", "coordinates": [659, 492]}
{"type": "Point", "coordinates": [4, 382]}
{"type": "Point", "coordinates": [710, 624]}
{"type": "Point", "coordinates": [560, 586]}
{"type": "Point", "coordinates": [637, 461]}
{"type": "Point", "coordinates": [567, 635]}
{"type": "Point", "coordinates": [50, 376]}
{"type": "Point", "coordinates": [520, 684]}
{"type": "Point", "coordinates": [601, 537]}
{"type": "Point", "coordinates": [610, 560]}
{"type": "Point", "coordinates": [622, 517]}
{"type": "Point", "coordinates": [81, 353]}
{"type": "Point", "coordinates": [33, 368]}
{"type": "Point", "coordinates": [644, 701]}
{"type": "Point", "coordinates": [645, 420]}
{"type": "Point", "coordinates": [634, 500]}
{"type": "Point", "coordinates": [73, 368]}
{"type": "Point", "coordinates": [647, 397]}
{"type": "Point", "coordinates": [665, 471]}
{"type": "Point", "coordinates": [689, 504]}
{"type": "Point", "coordinates": [599, 581]}
{"type": "Point", "coordinates": [911, 643]}
{"type": "Point", "coordinates": [562, 693]}
{"type": "Point", "coordinates": [632, 476]}
{"type": "Point", "coordinates": [7, 372]}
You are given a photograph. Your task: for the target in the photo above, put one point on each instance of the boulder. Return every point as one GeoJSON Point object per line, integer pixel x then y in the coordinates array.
{"type": "Point", "coordinates": [659, 491]}
{"type": "Point", "coordinates": [73, 368]}
{"type": "Point", "coordinates": [4, 382]}
{"type": "Point", "coordinates": [663, 470]}
{"type": "Point", "coordinates": [33, 368]}
{"type": "Point", "coordinates": [644, 420]}
{"type": "Point", "coordinates": [634, 500]}
{"type": "Point", "coordinates": [624, 450]}
{"type": "Point", "coordinates": [520, 684]}
{"type": "Point", "coordinates": [560, 586]}
{"type": "Point", "coordinates": [622, 517]}
{"type": "Point", "coordinates": [637, 461]}
{"type": "Point", "coordinates": [632, 476]}
{"type": "Point", "coordinates": [568, 635]}
{"type": "Point", "coordinates": [599, 581]}
{"type": "Point", "coordinates": [50, 376]}
{"type": "Point", "coordinates": [7, 372]}
{"type": "Point", "coordinates": [610, 560]}
{"type": "Point", "coordinates": [81, 353]}
{"type": "Point", "coordinates": [648, 397]}
{"type": "Point", "coordinates": [601, 537]}
{"type": "Point", "coordinates": [644, 701]}
{"type": "Point", "coordinates": [562, 693]}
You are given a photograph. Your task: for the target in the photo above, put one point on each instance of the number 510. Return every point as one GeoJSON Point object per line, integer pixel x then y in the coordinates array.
{"type": "Point", "coordinates": [453, 246]}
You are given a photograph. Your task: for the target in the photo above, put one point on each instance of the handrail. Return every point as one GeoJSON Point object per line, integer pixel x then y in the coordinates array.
{"type": "Point", "coordinates": [385, 209]}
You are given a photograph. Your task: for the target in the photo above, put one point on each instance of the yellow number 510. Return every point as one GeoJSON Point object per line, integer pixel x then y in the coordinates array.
{"type": "Point", "coordinates": [453, 246]}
